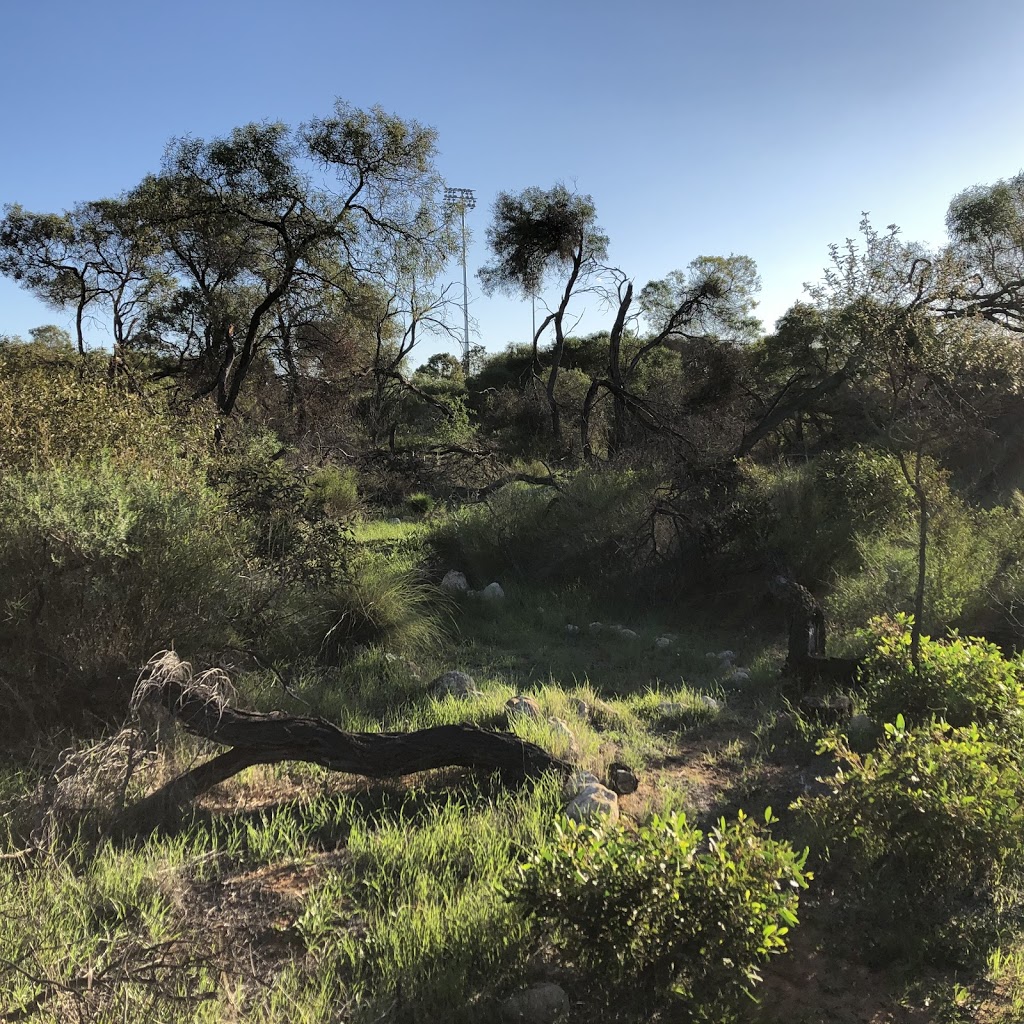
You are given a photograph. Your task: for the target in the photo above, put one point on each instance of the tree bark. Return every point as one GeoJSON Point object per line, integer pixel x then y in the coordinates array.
{"type": "Point", "coordinates": [270, 738]}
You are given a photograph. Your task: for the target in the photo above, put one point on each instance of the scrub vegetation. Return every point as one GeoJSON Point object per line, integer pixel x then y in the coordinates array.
{"type": "Point", "coordinates": [766, 585]}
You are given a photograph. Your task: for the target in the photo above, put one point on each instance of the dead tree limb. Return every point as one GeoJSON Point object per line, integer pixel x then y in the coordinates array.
{"type": "Point", "coordinates": [270, 738]}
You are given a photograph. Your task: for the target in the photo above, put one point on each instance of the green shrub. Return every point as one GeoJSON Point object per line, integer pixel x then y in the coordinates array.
{"type": "Point", "coordinates": [812, 512]}
{"type": "Point", "coordinates": [661, 907]}
{"type": "Point", "coordinates": [966, 549]}
{"type": "Point", "coordinates": [335, 490]}
{"type": "Point", "coordinates": [925, 830]}
{"type": "Point", "coordinates": [57, 410]}
{"type": "Point", "coordinates": [590, 529]}
{"type": "Point", "coordinates": [101, 565]}
{"type": "Point", "coordinates": [961, 679]}
{"type": "Point", "coordinates": [376, 605]}
{"type": "Point", "coordinates": [419, 503]}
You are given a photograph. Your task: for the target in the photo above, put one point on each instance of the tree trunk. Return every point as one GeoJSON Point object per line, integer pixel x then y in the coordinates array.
{"type": "Point", "coordinates": [257, 738]}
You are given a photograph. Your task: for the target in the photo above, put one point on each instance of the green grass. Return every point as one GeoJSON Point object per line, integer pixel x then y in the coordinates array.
{"type": "Point", "coordinates": [300, 894]}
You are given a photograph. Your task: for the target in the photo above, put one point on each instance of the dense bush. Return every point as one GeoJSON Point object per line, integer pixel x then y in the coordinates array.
{"type": "Point", "coordinates": [374, 604]}
{"type": "Point", "coordinates": [925, 830]}
{"type": "Point", "coordinates": [101, 565]}
{"type": "Point", "coordinates": [970, 559]}
{"type": "Point", "coordinates": [664, 907]}
{"type": "Point", "coordinates": [591, 528]}
{"type": "Point", "coordinates": [961, 679]}
{"type": "Point", "coordinates": [814, 510]}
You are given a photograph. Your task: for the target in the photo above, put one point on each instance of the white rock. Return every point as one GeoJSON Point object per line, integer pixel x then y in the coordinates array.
{"type": "Point", "coordinates": [592, 802]}
{"type": "Point", "coordinates": [458, 684]}
{"type": "Point", "coordinates": [572, 630]}
{"type": "Point", "coordinates": [738, 675]}
{"type": "Point", "coordinates": [455, 582]}
{"type": "Point", "coordinates": [623, 632]}
{"type": "Point", "coordinates": [726, 658]}
{"type": "Point", "coordinates": [710, 702]}
{"type": "Point", "coordinates": [662, 641]}
{"type": "Point", "coordinates": [492, 592]}
{"type": "Point", "coordinates": [595, 627]}
{"type": "Point", "coordinates": [543, 1003]}
{"type": "Point", "coordinates": [579, 780]}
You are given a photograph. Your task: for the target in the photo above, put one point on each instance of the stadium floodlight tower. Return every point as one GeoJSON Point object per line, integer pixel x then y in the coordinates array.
{"type": "Point", "coordinates": [463, 199]}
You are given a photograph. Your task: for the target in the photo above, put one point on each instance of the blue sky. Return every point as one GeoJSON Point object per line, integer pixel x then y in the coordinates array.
{"type": "Point", "coordinates": [739, 126]}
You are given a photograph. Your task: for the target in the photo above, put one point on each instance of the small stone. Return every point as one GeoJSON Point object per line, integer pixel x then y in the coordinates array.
{"type": "Point", "coordinates": [580, 707]}
{"type": "Point", "coordinates": [627, 634]}
{"type": "Point", "coordinates": [543, 1003]}
{"type": "Point", "coordinates": [592, 802]}
{"type": "Point", "coordinates": [572, 630]}
{"type": "Point", "coordinates": [579, 780]}
{"type": "Point", "coordinates": [522, 705]}
{"type": "Point", "coordinates": [492, 592]}
{"type": "Point", "coordinates": [622, 779]}
{"type": "Point", "coordinates": [662, 641]}
{"type": "Point", "coordinates": [711, 703]}
{"type": "Point", "coordinates": [455, 582]}
{"type": "Point", "coordinates": [726, 658]}
{"type": "Point", "coordinates": [595, 627]}
{"type": "Point", "coordinates": [562, 730]}
{"type": "Point", "coordinates": [457, 684]}
{"type": "Point", "coordinates": [738, 675]}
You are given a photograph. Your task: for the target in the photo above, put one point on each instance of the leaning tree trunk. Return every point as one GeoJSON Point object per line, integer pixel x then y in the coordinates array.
{"type": "Point", "coordinates": [258, 738]}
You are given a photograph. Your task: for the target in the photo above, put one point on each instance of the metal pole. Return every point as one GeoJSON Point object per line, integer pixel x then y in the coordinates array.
{"type": "Point", "coordinates": [465, 299]}
{"type": "Point", "coordinates": [466, 200]}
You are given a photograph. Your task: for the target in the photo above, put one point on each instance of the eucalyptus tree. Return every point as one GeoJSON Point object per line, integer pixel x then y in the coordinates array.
{"type": "Point", "coordinates": [534, 235]}
{"type": "Point", "coordinates": [92, 259]}
{"type": "Point", "coordinates": [710, 303]}
{"type": "Point", "coordinates": [228, 230]}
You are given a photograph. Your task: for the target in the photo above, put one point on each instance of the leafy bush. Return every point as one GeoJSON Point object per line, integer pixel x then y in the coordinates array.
{"type": "Point", "coordinates": [589, 529]}
{"type": "Point", "coordinates": [961, 679]}
{"type": "Point", "coordinates": [662, 907]}
{"type": "Point", "coordinates": [420, 504]}
{"type": "Point", "coordinates": [969, 550]}
{"type": "Point", "coordinates": [101, 565]}
{"type": "Point", "coordinates": [926, 829]}
{"type": "Point", "coordinates": [56, 410]}
{"type": "Point", "coordinates": [814, 511]}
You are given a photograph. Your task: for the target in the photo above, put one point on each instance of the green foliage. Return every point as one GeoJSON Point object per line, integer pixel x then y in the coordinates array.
{"type": "Point", "coordinates": [971, 551]}
{"type": "Point", "coordinates": [100, 566]}
{"type": "Point", "coordinates": [661, 907]}
{"type": "Point", "coordinates": [375, 604]}
{"type": "Point", "coordinates": [960, 679]}
{"type": "Point", "coordinates": [420, 504]}
{"type": "Point", "coordinates": [59, 409]}
{"type": "Point", "coordinates": [590, 529]}
{"type": "Point", "coordinates": [811, 513]}
{"type": "Point", "coordinates": [926, 830]}
{"type": "Point", "coordinates": [335, 490]}
{"type": "Point", "coordinates": [300, 525]}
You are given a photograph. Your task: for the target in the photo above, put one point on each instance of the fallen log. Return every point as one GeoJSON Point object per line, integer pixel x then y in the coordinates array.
{"type": "Point", "coordinates": [198, 704]}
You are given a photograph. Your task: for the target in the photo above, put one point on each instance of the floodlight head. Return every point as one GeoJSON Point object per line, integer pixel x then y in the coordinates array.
{"type": "Point", "coordinates": [460, 197]}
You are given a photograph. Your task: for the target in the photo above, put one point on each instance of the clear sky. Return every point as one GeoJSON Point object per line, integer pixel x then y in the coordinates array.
{"type": "Point", "coordinates": [761, 127]}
